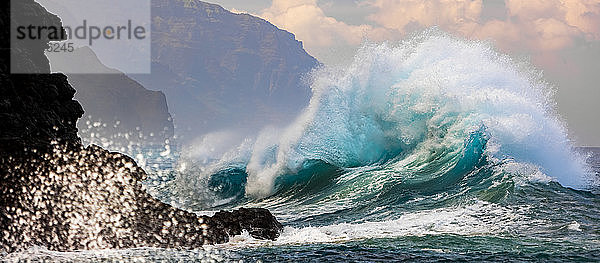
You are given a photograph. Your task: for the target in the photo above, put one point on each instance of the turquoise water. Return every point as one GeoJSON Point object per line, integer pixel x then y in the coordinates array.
{"type": "Point", "coordinates": [434, 149]}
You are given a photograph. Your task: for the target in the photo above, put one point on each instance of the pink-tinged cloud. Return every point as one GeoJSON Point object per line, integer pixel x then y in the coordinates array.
{"type": "Point", "coordinates": [309, 23]}
{"type": "Point", "coordinates": [452, 14]}
{"type": "Point", "coordinates": [584, 15]}
{"type": "Point", "coordinates": [546, 25]}
{"type": "Point", "coordinates": [538, 27]}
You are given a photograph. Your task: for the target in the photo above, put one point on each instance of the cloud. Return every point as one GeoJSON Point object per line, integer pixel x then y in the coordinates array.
{"type": "Point", "coordinates": [532, 25]}
{"type": "Point", "coordinates": [319, 32]}
{"type": "Point", "coordinates": [584, 15]}
{"type": "Point", "coordinates": [539, 28]}
{"type": "Point", "coordinates": [456, 15]}
{"type": "Point", "coordinates": [548, 25]}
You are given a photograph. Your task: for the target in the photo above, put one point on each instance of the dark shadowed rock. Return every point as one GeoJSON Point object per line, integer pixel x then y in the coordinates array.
{"type": "Point", "coordinates": [56, 193]}
{"type": "Point", "coordinates": [89, 198]}
{"type": "Point", "coordinates": [34, 109]}
{"type": "Point", "coordinates": [257, 221]}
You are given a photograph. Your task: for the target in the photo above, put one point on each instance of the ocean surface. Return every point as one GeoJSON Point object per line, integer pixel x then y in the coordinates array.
{"type": "Point", "coordinates": [433, 149]}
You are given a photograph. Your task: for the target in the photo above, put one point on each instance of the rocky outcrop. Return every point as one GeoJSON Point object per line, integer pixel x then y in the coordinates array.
{"type": "Point", "coordinates": [34, 110]}
{"type": "Point", "coordinates": [89, 198]}
{"type": "Point", "coordinates": [258, 222]}
{"type": "Point", "coordinates": [225, 71]}
{"type": "Point", "coordinates": [56, 193]}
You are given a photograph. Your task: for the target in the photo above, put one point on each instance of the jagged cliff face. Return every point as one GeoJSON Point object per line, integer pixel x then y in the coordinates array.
{"type": "Point", "coordinates": [221, 70]}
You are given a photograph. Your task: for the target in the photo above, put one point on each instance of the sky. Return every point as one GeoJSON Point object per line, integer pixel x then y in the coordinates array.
{"type": "Point", "coordinates": [560, 37]}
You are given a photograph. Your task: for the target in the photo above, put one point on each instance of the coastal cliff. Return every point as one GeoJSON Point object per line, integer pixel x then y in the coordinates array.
{"type": "Point", "coordinates": [225, 71]}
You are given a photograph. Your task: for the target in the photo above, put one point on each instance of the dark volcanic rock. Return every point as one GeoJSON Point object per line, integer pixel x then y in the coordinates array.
{"type": "Point", "coordinates": [56, 193]}
{"type": "Point", "coordinates": [89, 198]}
{"type": "Point", "coordinates": [34, 109]}
{"type": "Point", "coordinates": [258, 222]}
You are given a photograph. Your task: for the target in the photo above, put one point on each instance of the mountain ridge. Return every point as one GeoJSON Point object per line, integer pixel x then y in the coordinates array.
{"type": "Point", "coordinates": [221, 70]}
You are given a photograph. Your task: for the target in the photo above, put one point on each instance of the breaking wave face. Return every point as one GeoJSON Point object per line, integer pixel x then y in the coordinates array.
{"type": "Point", "coordinates": [435, 123]}
{"type": "Point", "coordinates": [430, 103]}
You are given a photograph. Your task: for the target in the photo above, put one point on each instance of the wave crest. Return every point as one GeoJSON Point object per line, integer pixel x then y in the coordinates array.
{"type": "Point", "coordinates": [421, 99]}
